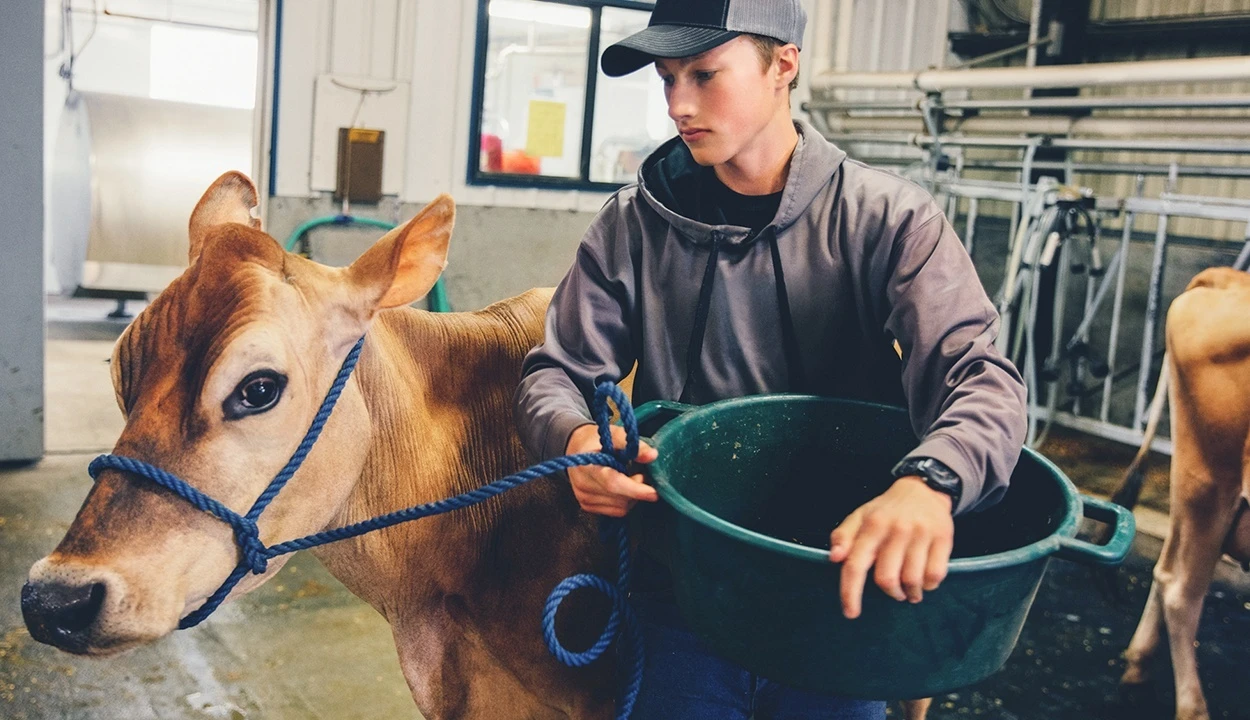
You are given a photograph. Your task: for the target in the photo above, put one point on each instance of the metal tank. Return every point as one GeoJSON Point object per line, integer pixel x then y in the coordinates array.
{"type": "Point", "coordinates": [126, 173]}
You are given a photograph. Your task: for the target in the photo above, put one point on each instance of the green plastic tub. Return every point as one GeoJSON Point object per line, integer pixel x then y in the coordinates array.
{"type": "Point", "coordinates": [753, 487]}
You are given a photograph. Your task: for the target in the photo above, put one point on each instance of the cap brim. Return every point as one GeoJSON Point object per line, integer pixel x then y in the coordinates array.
{"type": "Point", "coordinates": [661, 41]}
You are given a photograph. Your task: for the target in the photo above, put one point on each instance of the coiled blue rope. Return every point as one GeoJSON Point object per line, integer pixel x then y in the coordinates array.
{"type": "Point", "coordinates": [255, 556]}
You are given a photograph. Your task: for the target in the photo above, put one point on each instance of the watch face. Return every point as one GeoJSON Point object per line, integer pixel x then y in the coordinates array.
{"type": "Point", "coordinates": [915, 467]}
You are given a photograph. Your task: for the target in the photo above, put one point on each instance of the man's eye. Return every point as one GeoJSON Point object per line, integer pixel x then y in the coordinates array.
{"type": "Point", "coordinates": [667, 80]}
{"type": "Point", "coordinates": [703, 76]}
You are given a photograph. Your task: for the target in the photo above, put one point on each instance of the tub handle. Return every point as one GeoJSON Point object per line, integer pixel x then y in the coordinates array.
{"type": "Point", "coordinates": [1116, 549]}
{"type": "Point", "coordinates": [656, 414]}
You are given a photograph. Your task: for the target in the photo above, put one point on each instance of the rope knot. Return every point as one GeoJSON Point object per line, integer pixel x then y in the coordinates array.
{"type": "Point", "coordinates": [603, 418]}
{"type": "Point", "coordinates": [253, 550]}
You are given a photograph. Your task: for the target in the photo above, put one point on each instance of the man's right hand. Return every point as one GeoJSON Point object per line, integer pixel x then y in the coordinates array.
{"type": "Point", "coordinates": [602, 490]}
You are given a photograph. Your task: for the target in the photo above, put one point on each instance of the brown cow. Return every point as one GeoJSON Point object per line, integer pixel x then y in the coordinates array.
{"type": "Point", "coordinates": [1208, 369]}
{"type": "Point", "coordinates": [427, 414]}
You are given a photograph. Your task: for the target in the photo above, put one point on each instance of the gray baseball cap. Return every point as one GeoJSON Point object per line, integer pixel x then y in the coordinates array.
{"type": "Point", "coordinates": [681, 28]}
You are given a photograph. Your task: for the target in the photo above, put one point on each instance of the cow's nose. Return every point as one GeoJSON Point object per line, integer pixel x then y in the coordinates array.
{"type": "Point", "coordinates": [62, 615]}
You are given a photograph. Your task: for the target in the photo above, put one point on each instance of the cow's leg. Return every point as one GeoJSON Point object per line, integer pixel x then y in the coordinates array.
{"type": "Point", "coordinates": [1139, 657]}
{"type": "Point", "coordinates": [1203, 503]}
{"type": "Point", "coordinates": [453, 674]}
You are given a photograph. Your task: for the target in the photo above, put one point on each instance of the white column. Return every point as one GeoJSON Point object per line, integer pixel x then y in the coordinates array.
{"type": "Point", "coordinates": [21, 232]}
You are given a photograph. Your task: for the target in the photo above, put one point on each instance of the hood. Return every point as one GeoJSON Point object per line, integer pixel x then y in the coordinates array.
{"type": "Point", "coordinates": [668, 179]}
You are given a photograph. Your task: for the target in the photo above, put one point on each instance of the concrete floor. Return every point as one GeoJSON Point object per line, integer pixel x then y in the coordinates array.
{"type": "Point", "coordinates": [303, 647]}
{"type": "Point", "coordinates": [256, 658]}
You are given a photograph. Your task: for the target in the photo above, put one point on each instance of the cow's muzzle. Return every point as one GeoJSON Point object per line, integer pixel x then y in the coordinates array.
{"type": "Point", "coordinates": [62, 615]}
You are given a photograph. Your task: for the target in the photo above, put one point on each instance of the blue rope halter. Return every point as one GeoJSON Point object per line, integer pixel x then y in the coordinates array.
{"type": "Point", "coordinates": [255, 555]}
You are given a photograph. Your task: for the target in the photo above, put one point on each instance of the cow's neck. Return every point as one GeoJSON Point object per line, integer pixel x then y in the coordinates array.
{"type": "Point", "coordinates": [464, 591]}
{"type": "Point", "coordinates": [439, 391]}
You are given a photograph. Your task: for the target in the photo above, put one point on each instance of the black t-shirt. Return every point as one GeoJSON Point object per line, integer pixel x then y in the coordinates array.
{"type": "Point", "coordinates": [750, 211]}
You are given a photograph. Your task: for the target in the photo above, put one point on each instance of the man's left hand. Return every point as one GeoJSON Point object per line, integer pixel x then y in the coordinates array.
{"type": "Point", "coordinates": [906, 534]}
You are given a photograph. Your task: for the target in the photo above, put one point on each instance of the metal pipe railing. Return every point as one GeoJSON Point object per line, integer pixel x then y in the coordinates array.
{"type": "Point", "coordinates": [1117, 306]}
{"type": "Point", "coordinates": [1230, 148]}
{"type": "Point", "coordinates": [1224, 171]}
{"type": "Point", "coordinates": [1190, 70]}
{"type": "Point", "coordinates": [1164, 208]}
{"type": "Point", "coordinates": [1086, 102]}
{"type": "Point", "coordinates": [1206, 208]}
{"type": "Point", "coordinates": [1154, 297]}
{"type": "Point", "coordinates": [1176, 197]}
{"type": "Point", "coordinates": [1052, 125]}
{"type": "Point", "coordinates": [1216, 171]}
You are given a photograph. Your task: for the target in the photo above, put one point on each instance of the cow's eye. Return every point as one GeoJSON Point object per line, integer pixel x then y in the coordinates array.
{"type": "Point", "coordinates": [258, 392]}
{"type": "Point", "coordinates": [261, 392]}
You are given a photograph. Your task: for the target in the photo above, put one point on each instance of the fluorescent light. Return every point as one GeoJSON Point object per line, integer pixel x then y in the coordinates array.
{"type": "Point", "coordinates": [547, 13]}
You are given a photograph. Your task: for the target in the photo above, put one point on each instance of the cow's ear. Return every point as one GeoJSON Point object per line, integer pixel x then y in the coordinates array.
{"type": "Point", "coordinates": [230, 199]}
{"type": "Point", "coordinates": [404, 265]}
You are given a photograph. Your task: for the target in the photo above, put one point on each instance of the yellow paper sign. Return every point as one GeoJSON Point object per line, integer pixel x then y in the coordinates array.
{"type": "Point", "coordinates": [545, 134]}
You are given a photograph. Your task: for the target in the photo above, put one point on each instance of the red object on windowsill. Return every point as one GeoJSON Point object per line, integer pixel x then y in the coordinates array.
{"type": "Point", "coordinates": [492, 153]}
{"type": "Point", "coordinates": [497, 160]}
{"type": "Point", "coordinates": [521, 163]}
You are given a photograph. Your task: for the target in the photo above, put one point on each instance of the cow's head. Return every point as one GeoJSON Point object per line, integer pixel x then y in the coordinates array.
{"type": "Point", "coordinates": [219, 379]}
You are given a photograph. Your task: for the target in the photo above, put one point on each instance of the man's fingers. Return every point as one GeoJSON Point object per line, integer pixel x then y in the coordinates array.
{"type": "Point", "coordinates": [889, 565]}
{"type": "Point", "coordinates": [843, 536]}
{"type": "Point", "coordinates": [631, 487]}
{"type": "Point", "coordinates": [863, 554]}
{"type": "Point", "coordinates": [599, 497]}
{"type": "Point", "coordinates": [605, 491]}
{"type": "Point", "coordinates": [607, 510]}
{"type": "Point", "coordinates": [914, 566]}
{"type": "Point", "coordinates": [607, 484]}
{"type": "Point", "coordinates": [646, 453]}
{"type": "Point", "coordinates": [938, 562]}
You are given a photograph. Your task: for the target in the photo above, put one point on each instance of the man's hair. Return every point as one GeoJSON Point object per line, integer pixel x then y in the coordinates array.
{"type": "Point", "coordinates": [766, 46]}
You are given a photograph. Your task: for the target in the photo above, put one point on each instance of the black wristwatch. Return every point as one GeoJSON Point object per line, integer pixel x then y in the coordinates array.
{"type": "Point", "coordinates": [934, 473]}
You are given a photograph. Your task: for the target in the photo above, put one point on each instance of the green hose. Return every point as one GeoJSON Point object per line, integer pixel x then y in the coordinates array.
{"type": "Point", "coordinates": [436, 300]}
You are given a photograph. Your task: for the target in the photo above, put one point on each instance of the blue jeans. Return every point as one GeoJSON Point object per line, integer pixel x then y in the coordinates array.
{"type": "Point", "coordinates": [684, 680]}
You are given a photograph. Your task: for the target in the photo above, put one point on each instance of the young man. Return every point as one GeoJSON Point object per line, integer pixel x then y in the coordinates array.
{"type": "Point", "coordinates": [753, 257]}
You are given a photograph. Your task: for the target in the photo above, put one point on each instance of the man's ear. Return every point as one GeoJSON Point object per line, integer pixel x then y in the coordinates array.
{"type": "Point", "coordinates": [229, 199]}
{"type": "Point", "coordinates": [402, 267]}
{"type": "Point", "coordinates": [786, 60]}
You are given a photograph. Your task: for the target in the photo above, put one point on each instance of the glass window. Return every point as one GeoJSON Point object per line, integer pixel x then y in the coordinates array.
{"type": "Point", "coordinates": [208, 67]}
{"type": "Point", "coordinates": [536, 73]}
{"type": "Point", "coordinates": [535, 88]}
{"type": "Point", "coordinates": [631, 116]}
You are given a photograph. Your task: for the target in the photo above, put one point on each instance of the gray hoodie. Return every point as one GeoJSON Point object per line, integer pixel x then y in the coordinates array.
{"type": "Point", "coordinates": [866, 258]}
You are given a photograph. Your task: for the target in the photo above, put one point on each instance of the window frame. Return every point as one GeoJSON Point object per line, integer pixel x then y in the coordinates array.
{"type": "Point", "coordinates": [478, 177]}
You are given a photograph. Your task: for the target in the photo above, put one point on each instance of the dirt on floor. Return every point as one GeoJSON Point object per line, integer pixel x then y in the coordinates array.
{"type": "Point", "coordinates": [1097, 466]}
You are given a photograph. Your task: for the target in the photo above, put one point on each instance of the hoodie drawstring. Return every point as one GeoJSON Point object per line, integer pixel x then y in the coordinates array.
{"type": "Point", "coordinates": [789, 340]}
{"type": "Point", "coordinates": [694, 352]}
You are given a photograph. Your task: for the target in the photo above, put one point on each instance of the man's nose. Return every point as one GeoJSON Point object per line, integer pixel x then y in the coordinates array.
{"type": "Point", "coordinates": [680, 103]}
